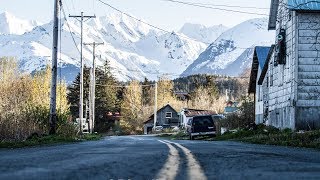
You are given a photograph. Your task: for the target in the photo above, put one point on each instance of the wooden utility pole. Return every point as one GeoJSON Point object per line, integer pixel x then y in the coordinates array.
{"type": "Point", "coordinates": [82, 17]}
{"type": "Point", "coordinates": [155, 106]}
{"type": "Point", "coordinates": [53, 95]}
{"type": "Point", "coordinates": [92, 89]}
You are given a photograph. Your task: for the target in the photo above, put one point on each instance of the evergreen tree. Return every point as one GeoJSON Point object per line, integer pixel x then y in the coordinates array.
{"type": "Point", "coordinates": [105, 95]}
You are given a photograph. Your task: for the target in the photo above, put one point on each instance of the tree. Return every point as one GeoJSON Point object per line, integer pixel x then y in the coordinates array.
{"type": "Point", "coordinates": [24, 101]}
{"type": "Point", "coordinates": [131, 111]}
{"type": "Point", "coordinates": [106, 95]}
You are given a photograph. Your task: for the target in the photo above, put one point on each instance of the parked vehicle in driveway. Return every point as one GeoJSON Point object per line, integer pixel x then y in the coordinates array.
{"type": "Point", "coordinates": [201, 126]}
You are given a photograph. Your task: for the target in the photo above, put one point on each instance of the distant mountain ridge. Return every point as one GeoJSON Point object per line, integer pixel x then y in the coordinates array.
{"type": "Point", "coordinates": [232, 52]}
{"type": "Point", "coordinates": [133, 49]}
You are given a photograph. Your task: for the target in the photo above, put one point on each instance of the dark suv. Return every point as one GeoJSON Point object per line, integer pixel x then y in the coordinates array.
{"type": "Point", "coordinates": [201, 126]}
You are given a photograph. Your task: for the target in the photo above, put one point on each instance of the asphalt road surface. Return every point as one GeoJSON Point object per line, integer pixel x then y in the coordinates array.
{"type": "Point", "coordinates": [147, 157]}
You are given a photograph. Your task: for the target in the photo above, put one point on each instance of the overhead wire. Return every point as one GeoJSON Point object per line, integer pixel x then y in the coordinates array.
{"type": "Point", "coordinates": [68, 25]}
{"type": "Point", "coordinates": [215, 8]}
{"type": "Point", "coordinates": [158, 28]}
{"type": "Point", "coordinates": [231, 6]}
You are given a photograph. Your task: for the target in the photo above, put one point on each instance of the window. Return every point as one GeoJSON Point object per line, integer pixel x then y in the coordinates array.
{"type": "Point", "coordinates": [168, 114]}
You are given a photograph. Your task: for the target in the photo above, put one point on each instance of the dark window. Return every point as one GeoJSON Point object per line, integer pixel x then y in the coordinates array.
{"type": "Point", "coordinates": [203, 121]}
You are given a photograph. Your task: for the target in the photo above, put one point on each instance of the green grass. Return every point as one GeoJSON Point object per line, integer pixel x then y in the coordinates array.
{"type": "Point", "coordinates": [263, 135]}
{"type": "Point", "coordinates": [273, 136]}
{"type": "Point", "coordinates": [49, 140]}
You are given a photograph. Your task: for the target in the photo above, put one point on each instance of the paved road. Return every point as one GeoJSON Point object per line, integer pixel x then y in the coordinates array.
{"type": "Point", "coordinates": [146, 157]}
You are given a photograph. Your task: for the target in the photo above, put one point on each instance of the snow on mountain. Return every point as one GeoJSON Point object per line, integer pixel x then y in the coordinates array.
{"type": "Point", "coordinates": [133, 49]}
{"type": "Point", "coordinates": [9, 24]}
{"type": "Point", "coordinates": [202, 33]}
{"type": "Point", "coordinates": [232, 51]}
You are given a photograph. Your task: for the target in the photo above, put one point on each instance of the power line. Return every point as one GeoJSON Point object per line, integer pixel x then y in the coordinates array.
{"type": "Point", "coordinates": [224, 5]}
{"type": "Point", "coordinates": [156, 27]}
{"type": "Point", "coordinates": [70, 31]}
{"type": "Point", "coordinates": [215, 8]}
{"type": "Point", "coordinates": [125, 86]}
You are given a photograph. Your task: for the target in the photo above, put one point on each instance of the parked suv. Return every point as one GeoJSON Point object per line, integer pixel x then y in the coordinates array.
{"type": "Point", "coordinates": [201, 126]}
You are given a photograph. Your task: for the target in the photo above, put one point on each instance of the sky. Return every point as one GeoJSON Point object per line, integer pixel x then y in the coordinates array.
{"type": "Point", "coordinates": [162, 13]}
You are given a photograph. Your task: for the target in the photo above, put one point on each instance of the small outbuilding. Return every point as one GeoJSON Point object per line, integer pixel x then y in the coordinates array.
{"type": "Point", "coordinates": [167, 116]}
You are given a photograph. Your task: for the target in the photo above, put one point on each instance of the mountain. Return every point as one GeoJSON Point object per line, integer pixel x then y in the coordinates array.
{"type": "Point", "coordinates": [9, 24]}
{"type": "Point", "coordinates": [133, 49]}
{"type": "Point", "coordinates": [231, 53]}
{"type": "Point", "coordinates": [202, 33]}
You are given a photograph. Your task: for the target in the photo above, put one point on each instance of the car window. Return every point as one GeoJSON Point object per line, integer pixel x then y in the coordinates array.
{"type": "Point", "coordinates": [202, 121]}
{"type": "Point", "coordinates": [217, 117]}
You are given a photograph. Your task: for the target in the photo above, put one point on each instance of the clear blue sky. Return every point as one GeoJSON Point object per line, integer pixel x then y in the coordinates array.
{"type": "Point", "coordinates": [168, 15]}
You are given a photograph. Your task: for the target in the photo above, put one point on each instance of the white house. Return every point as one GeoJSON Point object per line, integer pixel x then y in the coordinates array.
{"type": "Point", "coordinates": [187, 113]}
{"type": "Point", "coordinates": [261, 56]}
{"type": "Point", "coordinates": [292, 76]}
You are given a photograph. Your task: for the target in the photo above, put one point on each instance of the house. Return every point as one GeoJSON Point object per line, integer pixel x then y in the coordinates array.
{"type": "Point", "coordinates": [291, 83]}
{"type": "Point", "coordinates": [232, 107]}
{"type": "Point", "coordinates": [261, 56]}
{"type": "Point", "coordinates": [166, 117]}
{"type": "Point", "coordinates": [186, 114]}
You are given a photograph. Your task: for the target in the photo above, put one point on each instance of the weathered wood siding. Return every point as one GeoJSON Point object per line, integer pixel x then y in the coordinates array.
{"type": "Point", "coordinates": [308, 71]}
{"type": "Point", "coordinates": [282, 77]}
{"type": "Point", "coordinates": [259, 101]}
{"type": "Point", "coordinates": [265, 93]}
{"type": "Point", "coordinates": [161, 116]}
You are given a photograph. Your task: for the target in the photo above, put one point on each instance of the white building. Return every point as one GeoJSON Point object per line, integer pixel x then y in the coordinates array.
{"type": "Point", "coordinates": [292, 77]}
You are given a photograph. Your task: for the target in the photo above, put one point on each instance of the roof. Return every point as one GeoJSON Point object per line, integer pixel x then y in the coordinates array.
{"type": "Point", "coordinates": [273, 14]}
{"type": "Point", "coordinates": [151, 117]}
{"type": "Point", "coordinates": [260, 56]}
{"type": "Point", "coordinates": [295, 5]}
{"type": "Point", "coordinates": [313, 5]}
{"type": "Point", "coordinates": [230, 109]}
{"type": "Point", "coordinates": [266, 66]}
{"type": "Point", "coordinates": [194, 112]}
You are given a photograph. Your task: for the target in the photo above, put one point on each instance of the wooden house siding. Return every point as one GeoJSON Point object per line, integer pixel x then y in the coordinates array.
{"type": "Point", "coordinates": [294, 87]}
{"type": "Point", "coordinates": [281, 77]}
{"type": "Point", "coordinates": [308, 76]}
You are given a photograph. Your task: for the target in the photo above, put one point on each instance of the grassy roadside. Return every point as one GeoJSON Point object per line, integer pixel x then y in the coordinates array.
{"type": "Point", "coordinates": [49, 140]}
{"type": "Point", "coordinates": [264, 135]}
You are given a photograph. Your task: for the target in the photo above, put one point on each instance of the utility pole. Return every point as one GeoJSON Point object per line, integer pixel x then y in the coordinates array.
{"type": "Point", "coordinates": [92, 88]}
{"type": "Point", "coordinates": [53, 95]}
{"type": "Point", "coordinates": [82, 17]}
{"type": "Point", "coordinates": [155, 106]}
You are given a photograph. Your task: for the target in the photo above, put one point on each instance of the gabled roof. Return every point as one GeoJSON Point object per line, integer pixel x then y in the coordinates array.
{"type": "Point", "coordinates": [151, 116]}
{"type": "Point", "coordinates": [266, 66]}
{"type": "Point", "coordinates": [260, 56]}
{"type": "Point", "coordinates": [193, 112]}
{"type": "Point", "coordinates": [313, 5]}
{"type": "Point", "coordinates": [295, 5]}
{"type": "Point", "coordinates": [273, 14]}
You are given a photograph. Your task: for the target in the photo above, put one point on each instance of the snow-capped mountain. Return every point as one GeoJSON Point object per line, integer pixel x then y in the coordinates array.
{"type": "Point", "coordinates": [9, 24]}
{"type": "Point", "coordinates": [133, 49]}
{"type": "Point", "coordinates": [232, 51]}
{"type": "Point", "coordinates": [202, 33]}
